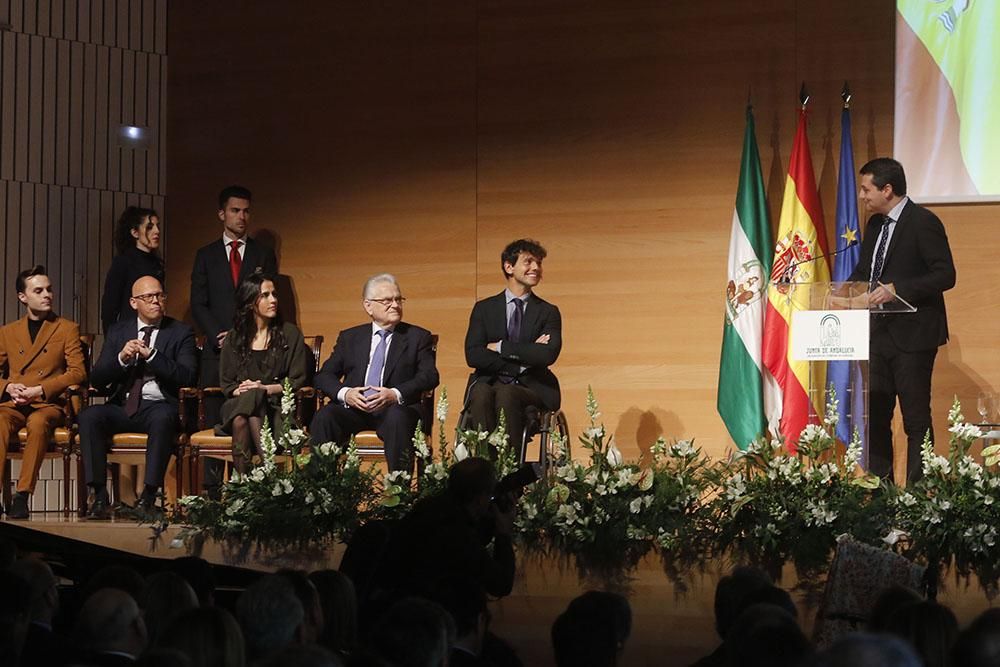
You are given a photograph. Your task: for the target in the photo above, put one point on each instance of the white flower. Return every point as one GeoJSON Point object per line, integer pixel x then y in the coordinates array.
{"type": "Point", "coordinates": [442, 406]}
{"type": "Point", "coordinates": [461, 452]}
{"type": "Point", "coordinates": [257, 475]}
{"type": "Point", "coordinates": [645, 481]}
{"type": "Point", "coordinates": [907, 499]}
{"type": "Point", "coordinates": [601, 489]}
{"type": "Point", "coordinates": [812, 433]}
{"type": "Point", "coordinates": [945, 505]}
{"type": "Point", "coordinates": [682, 448]}
{"type": "Point", "coordinates": [235, 508]}
{"type": "Point", "coordinates": [635, 506]}
{"type": "Point", "coordinates": [567, 514]}
{"type": "Point", "coordinates": [736, 487]}
{"type": "Point", "coordinates": [967, 432]}
{"type": "Point", "coordinates": [567, 472]}
{"type": "Point", "coordinates": [595, 432]}
{"type": "Point", "coordinates": [310, 498]}
{"type": "Point", "coordinates": [614, 456]}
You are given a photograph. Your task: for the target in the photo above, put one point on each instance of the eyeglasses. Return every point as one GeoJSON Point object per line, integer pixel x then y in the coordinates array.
{"type": "Point", "coordinates": [151, 297]}
{"type": "Point", "coordinates": [388, 302]}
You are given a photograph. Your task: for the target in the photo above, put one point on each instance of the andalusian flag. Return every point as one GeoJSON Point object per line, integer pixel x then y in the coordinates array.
{"type": "Point", "coordinates": [741, 401]}
{"type": "Point", "coordinates": [947, 116]}
{"type": "Point", "coordinates": [798, 259]}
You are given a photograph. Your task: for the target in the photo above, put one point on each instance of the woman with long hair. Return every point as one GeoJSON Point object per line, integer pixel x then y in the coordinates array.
{"type": "Point", "coordinates": [137, 242]}
{"type": "Point", "coordinates": [260, 351]}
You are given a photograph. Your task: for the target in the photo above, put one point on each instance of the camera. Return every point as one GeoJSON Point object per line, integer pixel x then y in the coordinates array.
{"type": "Point", "coordinates": [514, 483]}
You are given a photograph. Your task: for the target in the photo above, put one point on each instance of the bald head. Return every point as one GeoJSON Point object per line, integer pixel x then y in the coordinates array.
{"type": "Point", "coordinates": [110, 620]}
{"type": "Point", "coordinates": [148, 299]}
{"type": "Point", "coordinates": [43, 584]}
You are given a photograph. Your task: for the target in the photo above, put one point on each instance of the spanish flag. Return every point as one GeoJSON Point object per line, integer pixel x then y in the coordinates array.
{"type": "Point", "coordinates": [799, 259]}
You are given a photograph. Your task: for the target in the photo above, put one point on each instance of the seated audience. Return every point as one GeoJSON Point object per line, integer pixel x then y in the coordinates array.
{"type": "Point", "coordinates": [888, 601]}
{"type": "Point", "coordinates": [868, 650]}
{"type": "Point", "coordinates": [929, 627]}
{"type": "Point", "coordinates": [376, 376]}
{"type": "Point", "coordinates": [137, 240]}
{"type": "Point", "coordinates": [209, 637]}
{"type": "Point", "coordinates": [270, 616]}
{"type": "Point", "coordinates": [766, 635]}
{"type": "Point", "coordinates": [304, 655]}
{"type": "Point", "coordinates": [165, 595]}
{"type": "Point", "coordinates": [40, 357]}
{"type": "Point", "coordinates": [143, 364]}
{"type": "Point", "coordinates": [979, 644]}
{"type": "Point", "coordinates": [110, 630]}
{"type": "Point", "coordinates": [199, 575]}
{"type": "Point", "coordinates": [121, 577]}
{"type": "Point", "coordinates": [730, 595]}
{"type": "Point", "coordinates": [465, 600]}
{"type": "Point", "coordinates": [15, 616]}
{"type": "Point", "coordinates": [340, 611]}
{"type": "Point", "coordinates": [259, 353]}
{"type": "Point", "coordinates": [413, 632]}
{"type": "Point", "coordinates": [592, 631]}
{"type": "Point", "coordinates": [313, 621]}
{"type": "Point", "coordinates": [42, 646]}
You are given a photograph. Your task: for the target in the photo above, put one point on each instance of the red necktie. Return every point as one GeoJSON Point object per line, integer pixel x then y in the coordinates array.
{"type": "Point", "coordinates": [235, 262]}
{"type": "Point", "coordinates": [139, 373]}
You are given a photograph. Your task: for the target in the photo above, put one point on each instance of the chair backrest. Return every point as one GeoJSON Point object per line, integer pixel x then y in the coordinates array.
{"type": "Point", "coordinates": [315, 347]}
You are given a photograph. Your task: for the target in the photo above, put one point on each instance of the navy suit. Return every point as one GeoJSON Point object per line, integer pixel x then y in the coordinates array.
{"type": "Point", "coordinates": [173, 366]}
{"type": "Point", "coordinates": [497, 380]}
{"type": "Point", "coordinates": [410, 367]}
{"type": "Point", "coordinates": [919, 264]}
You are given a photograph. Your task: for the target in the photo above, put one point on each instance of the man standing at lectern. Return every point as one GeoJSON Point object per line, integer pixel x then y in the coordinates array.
{"type": "Point", "coordinates": [904, 254]}
{"type": "Point", "coordinates": [512, 340]}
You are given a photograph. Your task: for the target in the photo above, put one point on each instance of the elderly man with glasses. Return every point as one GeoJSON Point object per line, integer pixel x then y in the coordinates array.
{"type": "Point", "coordinates": [376, 375]}
{"type": "Point", "coordinates": [143, 364]}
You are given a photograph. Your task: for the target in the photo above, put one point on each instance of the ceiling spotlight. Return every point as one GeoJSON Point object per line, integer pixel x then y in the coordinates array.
{"type": "Point", "coordinates": [132, 136]}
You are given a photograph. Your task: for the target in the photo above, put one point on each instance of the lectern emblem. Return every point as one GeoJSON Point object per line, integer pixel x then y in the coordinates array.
{"type": "Point", "coordinates": [829, 331]}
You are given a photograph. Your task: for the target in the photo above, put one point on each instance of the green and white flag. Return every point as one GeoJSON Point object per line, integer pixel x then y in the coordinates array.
{"type": "Point", "coordinates": [741, 373]}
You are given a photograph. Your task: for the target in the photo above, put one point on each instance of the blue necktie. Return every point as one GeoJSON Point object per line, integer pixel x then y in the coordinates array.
{"type": "Point", "coordinates": [374, 378]}
{"type": "Point", "coordinates": [514, 326]}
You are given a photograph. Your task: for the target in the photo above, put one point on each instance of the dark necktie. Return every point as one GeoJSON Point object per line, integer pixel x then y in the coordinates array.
{"type": "Point", "coordinates": [138, 377]}
{"type": "Point", "coordinates": [514, 326]}
{"type": "Point", "coordinates": [235, 262]}
{"type": "Point", "coordinates": [374, 377]}
{"type": "Point", "coordinates": [880, 254]}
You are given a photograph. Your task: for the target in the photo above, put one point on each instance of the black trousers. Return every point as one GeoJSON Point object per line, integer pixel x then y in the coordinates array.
{"type": "Point", "coordinates": [157, 419]}
{"type": "Point", "coordinates": [894, 374]}
{"type": "Point", "coordinates": [394, 425]}
{"type": "Point", "coordinates": [486, 400]}
{"type": "Point", "coordinates": [208, 376]}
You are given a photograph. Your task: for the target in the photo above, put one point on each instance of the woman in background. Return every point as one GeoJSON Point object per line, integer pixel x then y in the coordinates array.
{"type": "Point", "coordinates": [259, 352]}
{"type": "Point", "coordinates": [137, 242]}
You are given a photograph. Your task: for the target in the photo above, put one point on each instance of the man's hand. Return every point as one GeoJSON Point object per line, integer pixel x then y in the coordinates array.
{"type": "Point", "coordinates": [130, 351]}
{"type": "Point", "coordinates": [144, 350]}
{"type": "Point", "coordinates": [882, 294]}
{"type": "Point", "coordinates": [492, 347]}
{"type": "Point", "coordinates": [355, 398]}
{"type": "Point", "coordinates": [543, 339]}
{"type": "Point", "coordinates": [382, 397]}
{"type": "Point", "coordinates": [28, 395]}
{"type": "Point", "coordinates": [14, 390]}
{"type": "Point", "coordinates": [220, 337]}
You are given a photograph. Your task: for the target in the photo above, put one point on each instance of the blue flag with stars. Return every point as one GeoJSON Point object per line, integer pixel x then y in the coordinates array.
{"type": "Point", "coordinates": [845, 376]}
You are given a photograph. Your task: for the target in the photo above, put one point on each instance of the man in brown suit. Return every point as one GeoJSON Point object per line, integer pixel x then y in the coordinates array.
{"type": "Point", "coordinates": [40, 356]}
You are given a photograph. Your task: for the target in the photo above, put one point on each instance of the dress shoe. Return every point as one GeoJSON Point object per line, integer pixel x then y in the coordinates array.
{"type": "Point", "coordinates": [19, 507]}
{"type": "Point", "coordinates": [99, 510]}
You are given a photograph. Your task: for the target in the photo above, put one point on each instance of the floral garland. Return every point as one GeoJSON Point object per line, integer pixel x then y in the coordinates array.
{"type": "Point", "coordinates": [604, 514]}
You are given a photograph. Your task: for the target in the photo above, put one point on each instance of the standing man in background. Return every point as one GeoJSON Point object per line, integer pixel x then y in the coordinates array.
{"type": "Point", "coordinates": [218, 269]}
{"type": "Point", "coordinates": [904, 254]}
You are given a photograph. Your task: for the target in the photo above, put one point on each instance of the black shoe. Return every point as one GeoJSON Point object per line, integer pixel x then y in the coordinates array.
{"type": "Point", "coordinates": [100, 507]}
{"type": "Point", "coordinates": [146, 506]}
{"type": "Point", "coordinates": [19, 508]}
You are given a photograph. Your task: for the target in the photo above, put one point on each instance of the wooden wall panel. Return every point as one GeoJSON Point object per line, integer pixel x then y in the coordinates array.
{"type": "Point", "coordinates": [70, 73]}
{"type": "Point", "coordinates": [421, 137]}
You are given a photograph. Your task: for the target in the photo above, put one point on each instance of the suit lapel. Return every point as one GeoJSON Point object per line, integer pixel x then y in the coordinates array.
{"type": "Point", "coordinates": [396, 347]}
{"type": "Point", "coordinates": [531, 319]}
{"type": "Point", "coordinates": [499, 315]}
{"type": "Point", "coordinates": [44, 334]}
{"type": "Point", "coordinates": [899, 233]}
{"type": "Point", "coordinates": [249, 260]}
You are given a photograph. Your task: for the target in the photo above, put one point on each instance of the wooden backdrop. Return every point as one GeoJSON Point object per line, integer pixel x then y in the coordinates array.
{"type": "Point", "coordinates": [418, 137]}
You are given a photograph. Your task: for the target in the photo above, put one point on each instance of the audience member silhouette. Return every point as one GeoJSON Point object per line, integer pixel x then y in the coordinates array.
{"type": "Point", "coordinates": [164, 596]}
{"type": "Point", "coordinates": [270, 616]}
{"type": "Point", "coordinates": [886, 604]}
{"type": "Point", "coordinates": [110, 629]}
{"type": "Point", "coordinates": [730, 599]}
{"type": "Point", "coordinates": [42, 645]}
{"type": "Point", "coordinates": [340, 611]}
{"type": "Point", "coordinates": [768, 635]}
{"type": "Point", "coordinates": [929, 627]}
{"type": "Point", "coordinates": [979, 644]}
{"type": "Point", "coordinates": [209, 637]}
{"type": "Point", "coordinates": [592, 631]}
{"type": "Point", "coordinates": [413, 632]}
{"type": "Point", "coordinates": [867, 650]}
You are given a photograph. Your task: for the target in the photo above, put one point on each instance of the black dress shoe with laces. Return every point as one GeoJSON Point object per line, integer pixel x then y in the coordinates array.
{"type": "Point", "coordinates": [19, 507]}
{"type": "Point", "coordinates": [99, 510]}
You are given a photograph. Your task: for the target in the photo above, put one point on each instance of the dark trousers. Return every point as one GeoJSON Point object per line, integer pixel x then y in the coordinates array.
{"type": "Point", "coordinates": [208, 376]}
{"type": "Point", "coordinates": [394, 426]}
{"type": "Point", "coordinates": [907, 375]}
{"type": "Point", "coordinates": [487, 400]}
{"type": "Point", "coordinates": [157, 419]}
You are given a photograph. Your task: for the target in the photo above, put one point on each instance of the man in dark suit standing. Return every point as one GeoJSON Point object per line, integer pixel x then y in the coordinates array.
{"type": "Point", "coordinates": [219, 267]}
{"type": "Point", "coordinates": [512, 340]}
{"type": "Point", "coordinates": [904, 254]}
{"type": "Point", "coordinates": [376, 376]}
{"type": "Point", "coordinates": [144, 363]}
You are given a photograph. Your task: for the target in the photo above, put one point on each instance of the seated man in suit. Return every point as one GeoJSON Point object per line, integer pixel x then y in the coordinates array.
{"type": "Point", "coordinates": [376, 375]}
{"type": "Point", "coordinates": [40, 356]}
{"type": "Point", "coordinates": [512, 340]}
{"type": "Point", "coordinates": [144, 363]}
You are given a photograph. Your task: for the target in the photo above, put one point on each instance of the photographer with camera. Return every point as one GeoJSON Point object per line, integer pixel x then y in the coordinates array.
{"type": "Point", "coordinates": [449, 534]}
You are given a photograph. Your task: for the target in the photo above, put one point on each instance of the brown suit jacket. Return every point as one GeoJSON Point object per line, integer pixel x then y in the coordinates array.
{"type": "Point", "coordinates": [54, 360]}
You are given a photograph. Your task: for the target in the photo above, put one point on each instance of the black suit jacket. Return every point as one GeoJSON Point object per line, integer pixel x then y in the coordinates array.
{"type": "Point", "coordinates": [488, 324]}
{"type": "Point", "coordinates": [174, 365]}
{"type": "Point", "coordinates": [918, 263]}
{"type": "Point", "coordinates": [213, 295]}
{"type": "Point", "coordinates": [410, 365]}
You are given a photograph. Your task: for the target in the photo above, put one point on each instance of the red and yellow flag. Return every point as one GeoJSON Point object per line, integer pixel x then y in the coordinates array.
{"type": "Point", "coordinates": [798, 258]}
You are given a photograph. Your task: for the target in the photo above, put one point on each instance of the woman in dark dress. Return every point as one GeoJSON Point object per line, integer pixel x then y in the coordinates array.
{"type": "Point", "coordinates": [259, 352]}
{"type": "Point", "coordinates": [137, 240]}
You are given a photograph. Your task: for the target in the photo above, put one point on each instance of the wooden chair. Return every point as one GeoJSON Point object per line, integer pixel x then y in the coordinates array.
{"type": "Point", "coordinates": [370, 446]}
{"type": "Point", "coordinates": [204, 442]}
{"type": "Point", "coordinates": [63, 438]}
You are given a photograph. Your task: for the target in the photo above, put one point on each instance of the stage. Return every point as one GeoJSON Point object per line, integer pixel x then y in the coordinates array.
{"type": "Point", "coordinates": [669, 627]}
